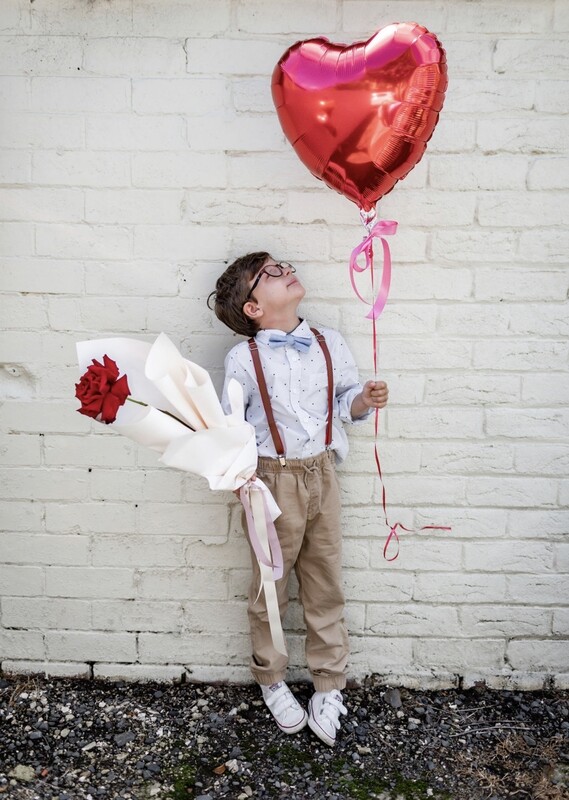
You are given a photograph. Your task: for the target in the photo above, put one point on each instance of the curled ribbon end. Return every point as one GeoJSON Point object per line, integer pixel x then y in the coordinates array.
{"type": "Point", "coordinates": [392, 535]}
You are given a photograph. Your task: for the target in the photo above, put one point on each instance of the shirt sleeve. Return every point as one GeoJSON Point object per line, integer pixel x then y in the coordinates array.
{"type": "Point", "coordinates": [348, 385]}
{"type": "Point", "coordinates": [234, 368]}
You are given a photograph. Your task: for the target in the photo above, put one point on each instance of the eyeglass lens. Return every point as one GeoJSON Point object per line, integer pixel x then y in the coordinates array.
{"type": "Point", "coordinates": [275, 270]}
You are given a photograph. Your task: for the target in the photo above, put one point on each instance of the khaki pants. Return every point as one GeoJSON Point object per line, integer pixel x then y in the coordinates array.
{"type": "Point", "coordinates": [307, 493]}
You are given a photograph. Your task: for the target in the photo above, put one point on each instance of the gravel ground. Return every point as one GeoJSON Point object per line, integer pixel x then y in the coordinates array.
{"type": "Point", "coordinates": [67, 739]}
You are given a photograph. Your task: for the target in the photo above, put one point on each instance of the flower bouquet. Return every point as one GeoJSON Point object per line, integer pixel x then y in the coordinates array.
{"type": "Point", "coordinates": [169, 404]}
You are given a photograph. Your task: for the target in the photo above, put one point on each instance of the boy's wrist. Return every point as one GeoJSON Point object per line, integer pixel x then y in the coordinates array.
{"type": "Point", "coordinates": [359, 406]}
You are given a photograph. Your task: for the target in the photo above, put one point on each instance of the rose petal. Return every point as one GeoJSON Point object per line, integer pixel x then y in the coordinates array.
{"type": "Point", "coordinates": [89, 411]}
{"type": "Point", "coordinates": [109, 408]}
{"type": "Point", "coordinates": [111, 367]}
{"type": "Point", "coordinates": [121, 389]}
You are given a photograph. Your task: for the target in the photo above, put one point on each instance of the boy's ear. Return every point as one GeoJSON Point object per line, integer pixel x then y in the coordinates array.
{"type": "Point", "coordinates": [252, 310]}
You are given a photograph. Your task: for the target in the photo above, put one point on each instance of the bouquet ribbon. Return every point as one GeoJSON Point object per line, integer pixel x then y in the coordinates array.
{"type": "Point", "coordinates": [265, 544]}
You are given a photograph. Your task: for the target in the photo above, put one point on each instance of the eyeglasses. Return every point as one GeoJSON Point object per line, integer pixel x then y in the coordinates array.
{"type": "Point", "coordinates": [273, 271]}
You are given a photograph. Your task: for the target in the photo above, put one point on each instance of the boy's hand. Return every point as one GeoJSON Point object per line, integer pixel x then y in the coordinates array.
{"type": "Point", "coordinates": [374, 394]}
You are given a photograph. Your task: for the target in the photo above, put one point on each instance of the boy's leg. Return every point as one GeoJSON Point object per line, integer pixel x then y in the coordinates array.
{"type": "Point", "coordinates": [319, 575]}
{"type": "Point", "coordinates": [267, 665]}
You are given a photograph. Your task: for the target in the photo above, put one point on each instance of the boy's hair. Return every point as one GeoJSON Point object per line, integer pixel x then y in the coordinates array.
{"type": "Point", "coordinates": [231, 291]}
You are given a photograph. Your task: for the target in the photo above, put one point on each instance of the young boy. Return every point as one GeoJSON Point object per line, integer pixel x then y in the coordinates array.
{"type": "Point", "coordinates": [298, 390]}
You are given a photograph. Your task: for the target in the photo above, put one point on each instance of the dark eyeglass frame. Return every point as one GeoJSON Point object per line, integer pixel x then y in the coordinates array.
{"type": "Point", "coordinates": [280, 267]}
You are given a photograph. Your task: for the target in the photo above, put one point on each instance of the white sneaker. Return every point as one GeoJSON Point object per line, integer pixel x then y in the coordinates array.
{"type": "Point", "coordinates": [324, 709]}
{"type": "Point", "coordinates": [285, 708]}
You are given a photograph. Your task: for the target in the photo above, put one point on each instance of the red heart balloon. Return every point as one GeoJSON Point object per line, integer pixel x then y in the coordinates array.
{"type": "Point", "coordinates": [359, 116]}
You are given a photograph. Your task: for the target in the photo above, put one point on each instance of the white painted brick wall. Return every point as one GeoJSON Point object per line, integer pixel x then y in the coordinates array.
{"type": "Point", "coordinates": [139, 152]}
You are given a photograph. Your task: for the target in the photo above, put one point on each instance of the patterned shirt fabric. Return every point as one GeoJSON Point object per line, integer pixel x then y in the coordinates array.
{"type": "Point", "coordinates": [297, 385]}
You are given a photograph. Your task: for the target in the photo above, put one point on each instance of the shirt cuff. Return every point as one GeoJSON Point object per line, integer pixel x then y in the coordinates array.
{"type": "Point", "coordinates": [345, 407]}
{"type": "Point", "coordinates": [363, 418]}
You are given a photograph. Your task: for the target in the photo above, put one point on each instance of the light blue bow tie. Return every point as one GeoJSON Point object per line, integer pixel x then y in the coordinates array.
{"type": "Point", "coordinates": [302, 343]}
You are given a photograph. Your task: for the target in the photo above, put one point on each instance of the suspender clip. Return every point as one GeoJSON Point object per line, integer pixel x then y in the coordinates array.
{"type": "Point", "coordinates": [282, 461]}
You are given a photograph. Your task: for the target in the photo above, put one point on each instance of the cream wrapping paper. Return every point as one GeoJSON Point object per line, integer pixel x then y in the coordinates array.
{"type": "Point", "coordinates": [220, 448]}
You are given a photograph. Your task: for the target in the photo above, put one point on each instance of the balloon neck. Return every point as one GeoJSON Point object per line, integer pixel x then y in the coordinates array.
{"type": "Point", "coordinates": [368, 218]}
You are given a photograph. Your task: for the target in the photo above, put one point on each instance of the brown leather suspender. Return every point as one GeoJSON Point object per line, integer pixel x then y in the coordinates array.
{"type": "Point", "coordinates": [322, 342]}
{"type": "Point", "coordinates": [267, 401]}
{"type": "Point", "coordinates": [277, 441]}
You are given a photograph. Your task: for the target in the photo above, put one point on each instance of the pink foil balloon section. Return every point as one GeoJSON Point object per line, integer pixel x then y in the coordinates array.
{"type": "Point", "coordinates": [359, 116]}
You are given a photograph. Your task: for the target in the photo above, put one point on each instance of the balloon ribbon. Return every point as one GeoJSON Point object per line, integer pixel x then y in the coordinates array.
{"type": "Point", "coordinates": [379, 230]}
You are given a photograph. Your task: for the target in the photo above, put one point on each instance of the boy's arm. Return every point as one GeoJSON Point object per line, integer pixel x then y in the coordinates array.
{"type": "Point", "coordinates": [234, 369]}
{"type": "Point", "coordinates": [354, 401]}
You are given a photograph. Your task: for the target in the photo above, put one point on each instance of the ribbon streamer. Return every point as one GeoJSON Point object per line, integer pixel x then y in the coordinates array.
{"type": "Point", "coordinates": [258, 518]}
{"type": "Point", "coordinates": [266, 546]}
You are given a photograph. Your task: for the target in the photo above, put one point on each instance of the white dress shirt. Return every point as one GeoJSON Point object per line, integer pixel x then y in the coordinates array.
{"type": "Point", "coordinates": [297, 385]}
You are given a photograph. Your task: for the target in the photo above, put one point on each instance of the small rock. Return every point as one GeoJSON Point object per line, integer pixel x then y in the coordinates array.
{"type": "Point", "coordinates": [560, 776]}
{"type": "Point", "coordinates": [123, 738]}
{"type": "Point", "coordinates": [23, 773]}
{"type": "Point", "coordinates": [393, 698]}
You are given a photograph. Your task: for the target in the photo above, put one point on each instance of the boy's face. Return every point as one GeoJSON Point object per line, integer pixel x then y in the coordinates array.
{"type": "Point", "coordinates": [272, 292]}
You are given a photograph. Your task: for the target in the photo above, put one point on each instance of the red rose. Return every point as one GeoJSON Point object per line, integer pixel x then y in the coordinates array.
{"type": "Point", "coordinates": [101, 391]}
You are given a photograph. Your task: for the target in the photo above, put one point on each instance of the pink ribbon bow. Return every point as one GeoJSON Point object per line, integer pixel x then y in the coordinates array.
{"type": "Point", "coordinates": [385, 227]}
